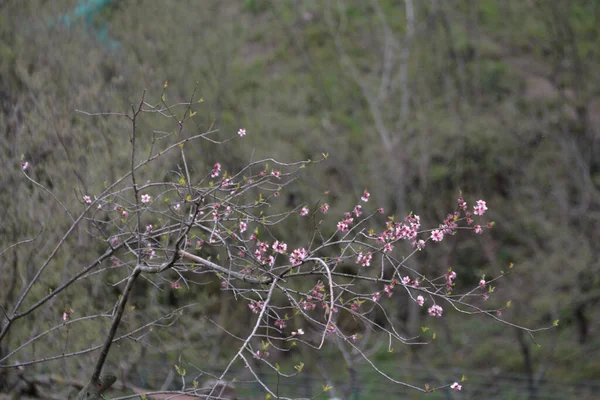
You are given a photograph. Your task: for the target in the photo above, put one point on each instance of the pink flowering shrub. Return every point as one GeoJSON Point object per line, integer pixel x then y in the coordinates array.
{"type": "Point", "coordinates": [213, 223]}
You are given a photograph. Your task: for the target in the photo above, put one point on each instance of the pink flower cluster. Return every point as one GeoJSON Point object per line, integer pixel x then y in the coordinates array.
{"type": "Point", "coordinates": [365, 196]}
{"type": "Point", "coordinates": [401, 231]}
{"type": "Point", "coordinates": [216, 170]}
{"type": "Point", "coordinates": [261, 254]}
{"type": "Point", "coordinates": [316, 295]}
{"type": "Point", "coordinates": [364, 259]}
{"type": "Point", "coordinates": [256, 306]}
{"type": "Point", "coordinates": [298, 256]}
{"type": "Point", "coordinates": [480, 208]}
{"type": "Point", "coordinates": [435, 311]}
{"type": "Point", "coordinates": [279, 247]}
{"type": "Point", "coordinates": [407, 281]}
{"type": "Point", "coordinates": [450, 277]}
{"type": "Point", "coordinates": [67, 314]}
{"type": "Point", "coordinates": [280, 323]}
{"type": "Point", "coordinates": [344, 225]}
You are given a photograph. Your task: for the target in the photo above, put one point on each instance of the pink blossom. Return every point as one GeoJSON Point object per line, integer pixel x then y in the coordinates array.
{"type": "Point", "coordinates": [299, 332]}
{"type": "Point", "coordinates": [364, 259]}
{"type": "Point", "coordinates": [276, 174]}
{"type": "Point", "coordinates": [67, 314]}
{"type": "Point", "coordinates": [279, 247]}
{"type": "Point", "coordinates": [478, 229]}
{"type": "Point", "coordinates": [175, 285]}
{"type": "Point", "coordinates": [177, 206]}
{"type": "Point", "coordinates": [365, 196]}
{"type": "Point", "coordinates": [280, 323]}
{"type": "Point", "coordinates": [324, 208]}
{"type": "Point", "coordinates": [456, 386]}
{"type": "Point", "coordinates": [330, 328]}
{"type": "Point", "coordinates": [435, 311]}
{"type": "Point", "coordinates": [256, 306]}
{"type": "Point", "coordinates": [388, 290]}
{"type": "Point", "coordinates": [298, 256]}
{"type": "Point", "coordinates": [25, 165]}
{"type": "Point", "coordinates": [437, 235]}
{"type": "Point", "coordinates": [149, 228]}
{"type": "Point", "coordinates": [357, 210]}
{"type": "Point", "coordinates": [259, 355]}
{"type": "Point", "coordinates": [420, 301]}
{"type": "Point", "coordinates": [406, 280]}
{"type": "Point", "coordinates": [226, 182]}
{"type": "Point", "coordinates": [480, 208]}
{"type": "Point", "coordinates": [304, 211]}
{"type": "Point", "coordinates": [216, 170]}
{"type": "Point", "coordinates": [451, 276]}
{"type": "Point", "coordinates": [124, 213]}
{"type": "Point", "coordinates": [419, 244]}
{"type": "Point", "coordinates": [341, 226]}
{"type": "Point", "coordinates": [242, 132]}
{"type": "Point", "coordinates": [388, 247]}
{"type": "Point", "coordinates": [482, 283]}
{"type": "Point", "coordinates": [146, 198]}
{"type": "Point", "coordinates": [87, 199]}
{"type": "Point", "coordinates": [243, 226]}
{"type": "Point", "coordinates": [376, 296]}
{"type": "Point", "coordinates": [380, 210]}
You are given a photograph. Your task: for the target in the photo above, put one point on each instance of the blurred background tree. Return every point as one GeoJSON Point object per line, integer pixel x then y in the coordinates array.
{"type": "Point", "coordinates": [415, 100]}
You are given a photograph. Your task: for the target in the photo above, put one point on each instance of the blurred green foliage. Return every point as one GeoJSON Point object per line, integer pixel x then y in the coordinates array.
{"type": "Point", "coordinates": [504, 98]}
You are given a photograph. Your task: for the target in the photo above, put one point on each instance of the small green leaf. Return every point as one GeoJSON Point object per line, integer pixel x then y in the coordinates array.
{"type": "Point", "coordinates": [555, 323]}
{"type": "Point", "coordinates": [508, 303]}
{"type": "Point", "coordinates": [299, 367]}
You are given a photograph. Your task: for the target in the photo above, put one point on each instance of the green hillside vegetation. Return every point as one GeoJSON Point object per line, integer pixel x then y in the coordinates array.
{"type": "Point", "coordinates": [499, 99]}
